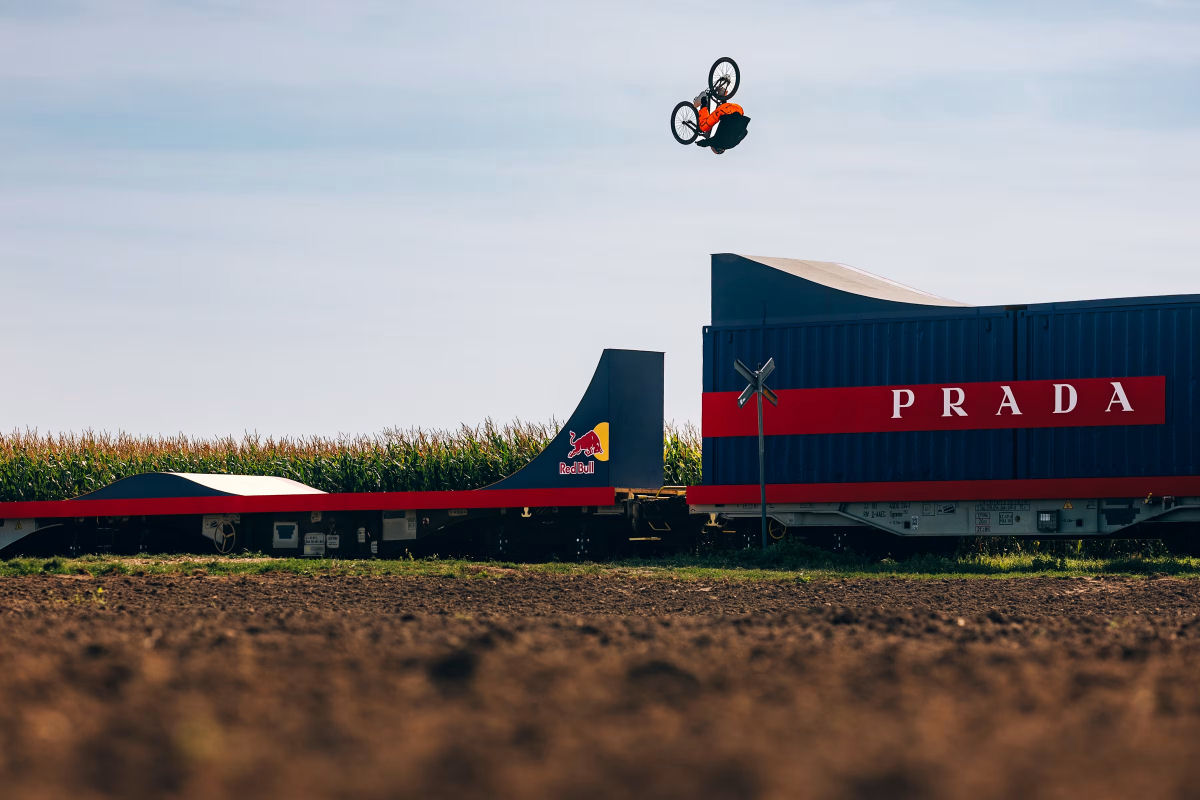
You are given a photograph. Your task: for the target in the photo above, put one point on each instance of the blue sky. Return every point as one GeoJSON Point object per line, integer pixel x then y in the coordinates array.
{"type": "Point", "coordinates": [313, 218]}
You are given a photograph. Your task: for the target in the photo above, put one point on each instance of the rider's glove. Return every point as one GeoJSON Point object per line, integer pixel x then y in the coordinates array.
{"type": "Point", "coordinates": [701, 99]}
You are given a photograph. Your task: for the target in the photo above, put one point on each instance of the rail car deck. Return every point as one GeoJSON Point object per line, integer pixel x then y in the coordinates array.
{"type": "Point", "coordinates": [900, 411]}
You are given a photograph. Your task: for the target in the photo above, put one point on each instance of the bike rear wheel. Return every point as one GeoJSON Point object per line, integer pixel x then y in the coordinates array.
{"type": "Point", "coordinates": [724, 78]}
{"type": "Point", "coordinates": [685, 122]}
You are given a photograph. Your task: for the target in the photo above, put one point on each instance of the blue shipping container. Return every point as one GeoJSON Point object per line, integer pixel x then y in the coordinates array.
{"type": "Point", "coordinates": [1111, 339]}
{"type": "Point", "coordinates": [830, 326]}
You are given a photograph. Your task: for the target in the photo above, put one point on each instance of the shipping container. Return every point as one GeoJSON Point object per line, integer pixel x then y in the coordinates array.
{"type": "Point", "coordinates": [982, 382]}
{"type": "Point", "coordinates": [1144, 336]}
{"type": "Point", "coordinates": [971, 346]}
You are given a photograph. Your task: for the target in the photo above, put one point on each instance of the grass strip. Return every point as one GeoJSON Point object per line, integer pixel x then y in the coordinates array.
{"type": "Point", "coordinates": [795, 564]}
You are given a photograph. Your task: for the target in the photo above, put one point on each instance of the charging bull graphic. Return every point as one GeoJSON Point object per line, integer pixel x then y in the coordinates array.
{"type": "Point", "coordinates": [589, 444]}
{"type": "Point", "coordinates": [593, 444]}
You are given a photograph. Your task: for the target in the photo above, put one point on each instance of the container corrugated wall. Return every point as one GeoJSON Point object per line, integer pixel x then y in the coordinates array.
{"type": "Point", "coordinates": [945, 346]}
{"type": "Point", "coordinates": [1092, 339]}
{"type": "Point", "coordinates": [1107, 339]}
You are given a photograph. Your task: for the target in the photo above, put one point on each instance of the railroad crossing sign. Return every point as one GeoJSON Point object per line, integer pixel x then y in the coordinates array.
{"type": "Point", "coordinates": [757, 385]}
{"type": "Point", "coordinates": [758, 388]}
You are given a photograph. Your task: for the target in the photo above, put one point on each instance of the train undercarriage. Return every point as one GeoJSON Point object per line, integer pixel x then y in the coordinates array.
{"type": "Point", "coordinates": [638, 525]}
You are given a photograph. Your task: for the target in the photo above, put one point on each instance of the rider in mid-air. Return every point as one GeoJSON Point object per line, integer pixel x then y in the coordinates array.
{"type": "Point", "coordinates": [709, 119]}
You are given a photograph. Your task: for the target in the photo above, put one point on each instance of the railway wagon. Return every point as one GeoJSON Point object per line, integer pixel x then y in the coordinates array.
{"type": "Point", "coordinates": [907, 413]}
{"type": "Point", "coordinates": [596, 488]}
{"type": "Point", "coordinates": [899, 412]}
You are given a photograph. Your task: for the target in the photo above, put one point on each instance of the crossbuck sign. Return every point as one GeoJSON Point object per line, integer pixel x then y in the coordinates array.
{"type": "Point", "coordinates": [757, 387]}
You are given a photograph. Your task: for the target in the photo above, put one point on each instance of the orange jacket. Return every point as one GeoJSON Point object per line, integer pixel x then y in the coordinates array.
{"type": "Point", "coordinates": [709, 119]}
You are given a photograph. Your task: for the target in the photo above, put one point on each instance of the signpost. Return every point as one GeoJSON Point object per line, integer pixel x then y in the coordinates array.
{"type": "Point", "coordinates": [758, 387]}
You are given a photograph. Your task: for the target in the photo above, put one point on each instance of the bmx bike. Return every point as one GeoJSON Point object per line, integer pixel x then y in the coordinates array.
{"type": "Point", "coordinates": [724, 78]}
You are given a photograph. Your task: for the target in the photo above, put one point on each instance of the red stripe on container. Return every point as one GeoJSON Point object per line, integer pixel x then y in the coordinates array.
{"type": "Point", "coordinates": [923, 407]}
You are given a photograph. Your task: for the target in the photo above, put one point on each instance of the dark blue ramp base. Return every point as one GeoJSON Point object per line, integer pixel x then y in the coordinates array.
{"type": "Point", "coordinates": [622, 412]}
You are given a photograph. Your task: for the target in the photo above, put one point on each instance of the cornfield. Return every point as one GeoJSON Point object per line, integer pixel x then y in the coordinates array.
{"type": "Point", "coordinates": [37, 466]}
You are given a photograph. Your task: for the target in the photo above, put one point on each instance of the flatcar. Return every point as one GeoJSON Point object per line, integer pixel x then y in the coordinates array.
{"type": "Point", "coordinates": [899, 412]}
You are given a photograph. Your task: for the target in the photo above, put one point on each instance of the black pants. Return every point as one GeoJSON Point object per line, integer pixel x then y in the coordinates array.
{"type": "Point", "coordinates": [731, 129]}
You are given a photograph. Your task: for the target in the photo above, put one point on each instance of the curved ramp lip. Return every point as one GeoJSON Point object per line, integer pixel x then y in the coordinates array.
{"type": "Point", "coordinates": [195, 484]}
{"type": "Point", "coordinates": [845, 278]}
{"type": "Point", "coordinates": [248, 485]}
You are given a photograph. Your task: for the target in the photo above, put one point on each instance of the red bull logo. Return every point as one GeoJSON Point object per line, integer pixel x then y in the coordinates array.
{"type": "Point", "coordinates": [593, 444]}
{"type": "Point", "coordinates": [589, 444]}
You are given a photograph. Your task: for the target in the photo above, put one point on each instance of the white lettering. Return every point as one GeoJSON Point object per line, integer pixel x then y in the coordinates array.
{"type": "Point", "coordinates": [897, 405]}
{"type": "Point", "coordinates": [1058, 398]}
{"type": "Point", "coordinates": [1008, 402]}
{"type": "Point", "coordinates": [1118, 397]}
{"type": "Point", "coordinates": [952, 406]}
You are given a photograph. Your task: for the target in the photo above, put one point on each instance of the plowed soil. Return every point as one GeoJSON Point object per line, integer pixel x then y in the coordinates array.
{"type": "Point", "coordinates": [597, 686]}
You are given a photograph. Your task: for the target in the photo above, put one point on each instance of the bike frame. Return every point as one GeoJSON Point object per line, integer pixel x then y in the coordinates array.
{"type": "Point", "coordinates": [695, 126]}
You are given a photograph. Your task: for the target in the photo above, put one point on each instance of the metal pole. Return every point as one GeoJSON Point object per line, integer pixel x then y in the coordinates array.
{"type": "Point", "coordinates": [762, 475]}
{"type": "Point", "coordinates": [757, 385]}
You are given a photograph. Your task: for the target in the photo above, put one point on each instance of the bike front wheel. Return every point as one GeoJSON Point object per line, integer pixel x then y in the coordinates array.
{"type": "Point", "coordinates": [724, 78]}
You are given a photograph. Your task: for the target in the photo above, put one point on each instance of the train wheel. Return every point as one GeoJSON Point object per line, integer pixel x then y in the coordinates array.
{"type": "Point", "coordinates": [496, 545]}
{"type": "Point", "coordinates": [706, 540]}
{"type": "Point", "coordinates": [584, 547]}
{"type": "Point", "coordinates": [749, 536]}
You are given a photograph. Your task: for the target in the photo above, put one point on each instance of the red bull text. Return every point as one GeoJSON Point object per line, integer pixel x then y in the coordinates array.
{"type": "Point", "coordinates": [592, 445]}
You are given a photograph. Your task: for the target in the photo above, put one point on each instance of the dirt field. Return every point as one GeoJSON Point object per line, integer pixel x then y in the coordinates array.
{"type": "Point", "coordinates": [597, 686]}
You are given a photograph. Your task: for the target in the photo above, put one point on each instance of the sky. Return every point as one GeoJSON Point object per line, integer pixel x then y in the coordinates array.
{"type": "Point", "coordinates": [301, 218]}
